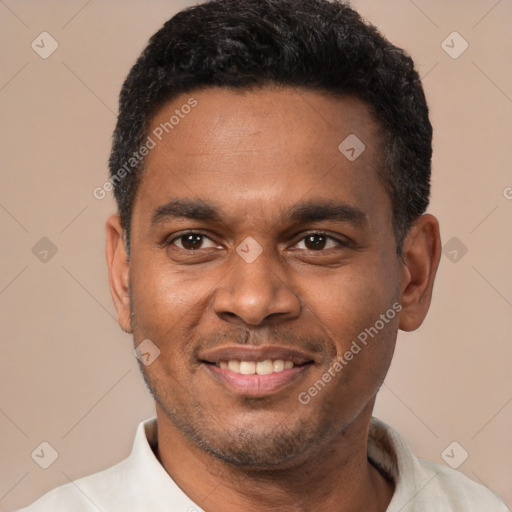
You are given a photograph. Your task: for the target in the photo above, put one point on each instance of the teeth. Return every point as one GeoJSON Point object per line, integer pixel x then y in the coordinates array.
{"type": "Point", "coordinates": [247, 367]}
{"type": "Point", "coordinates": [264, 367]}
{"type": "Point", "coordinates": [279, 365]}
{"type": "Point", "coordinates": [234, 366]}
{"type": "Point", "coordinates": [260, 367]}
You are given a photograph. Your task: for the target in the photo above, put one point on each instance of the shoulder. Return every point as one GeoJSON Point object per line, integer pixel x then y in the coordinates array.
{"type": "Point", "coordinates": [112, 488]}
{"type": "Point", "coordinates": [81, 495]}
{"type": "Point", "coordinates": [139, 483]}
{"type": "Point", "coordinates": [422, 485]}
{"type": "Point", "coordinates": [456, 491]}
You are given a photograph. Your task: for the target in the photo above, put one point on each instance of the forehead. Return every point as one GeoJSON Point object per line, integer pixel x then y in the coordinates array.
{"type": "Point", "coordinates": [256, 151]}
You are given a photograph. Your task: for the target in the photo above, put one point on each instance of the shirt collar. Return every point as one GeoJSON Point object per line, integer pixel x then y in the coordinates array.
{"type": "Point", "coordinates": [387, 451]}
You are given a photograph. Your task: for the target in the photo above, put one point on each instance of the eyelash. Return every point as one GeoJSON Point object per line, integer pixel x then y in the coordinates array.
{"type": "Point", "coordinates": [341, 243]}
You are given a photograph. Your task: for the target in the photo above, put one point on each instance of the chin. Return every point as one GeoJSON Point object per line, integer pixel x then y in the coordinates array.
{"type": "Point", "coordinates": [258, 453]}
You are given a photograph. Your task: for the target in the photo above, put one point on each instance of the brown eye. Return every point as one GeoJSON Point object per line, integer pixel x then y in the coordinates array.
{"type": "Point", "coordinates": [320, 241]}
{"type": "Point", "coordinates": [192, 241]}
{"type": "Point", "coordinates": [315, 242]}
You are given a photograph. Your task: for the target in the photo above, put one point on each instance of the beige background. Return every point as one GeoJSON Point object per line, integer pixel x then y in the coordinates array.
{"type": "Point", "coordinates": [67, 373]}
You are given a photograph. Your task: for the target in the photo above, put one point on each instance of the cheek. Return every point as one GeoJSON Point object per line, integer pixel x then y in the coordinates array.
{"type": "Point", "coordinates": [163, 295]}
{"type": "Point", "coordinates": [349, 311]}
{"type": "Point", "coordinates": [168, 306]}
{"type": "Point", "coordinates": [353, 300]}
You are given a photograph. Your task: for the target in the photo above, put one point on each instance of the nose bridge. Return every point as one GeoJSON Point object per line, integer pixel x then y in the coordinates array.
{"type": "Point", "coordinates": [255, 287]}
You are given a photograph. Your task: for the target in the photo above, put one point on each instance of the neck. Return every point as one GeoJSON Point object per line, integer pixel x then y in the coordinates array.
{"type": "Point", "coordinates": [337, 477]}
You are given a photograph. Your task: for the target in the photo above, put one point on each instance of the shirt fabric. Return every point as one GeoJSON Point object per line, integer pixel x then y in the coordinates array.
{"type": "Point", "coordinates": [141, 484]}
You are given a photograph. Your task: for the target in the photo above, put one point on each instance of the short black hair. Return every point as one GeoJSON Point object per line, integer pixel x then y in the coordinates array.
{"type": "Point", "coordinates": [319, 45]}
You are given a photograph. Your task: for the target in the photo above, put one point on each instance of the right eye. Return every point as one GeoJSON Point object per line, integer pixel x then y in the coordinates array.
{"type": "Point", "coordinates": [192, 241]}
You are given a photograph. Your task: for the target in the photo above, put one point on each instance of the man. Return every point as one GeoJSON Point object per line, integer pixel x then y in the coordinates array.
{"type": "Point", "coordinates": [271, 164]}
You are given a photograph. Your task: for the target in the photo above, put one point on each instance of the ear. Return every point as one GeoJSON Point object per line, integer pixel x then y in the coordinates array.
{"type": "Point", "coordinates": [420, 255]}
{"type": "Point", "coordinates": [118, 271]}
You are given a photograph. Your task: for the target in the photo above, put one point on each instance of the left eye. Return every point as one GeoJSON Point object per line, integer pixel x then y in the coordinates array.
{"type": "Point", "coordinates": [192, 241]}
{"type": "Point", "coordinates": [319, 242]}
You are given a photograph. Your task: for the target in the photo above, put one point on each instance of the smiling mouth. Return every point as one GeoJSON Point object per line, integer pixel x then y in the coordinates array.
{"type": "Point", "coordinates": [256, 370]}
{"type": "Point", "coordinates": [256, 378]}
{"type": "Point", "coordinates": [265, 367]}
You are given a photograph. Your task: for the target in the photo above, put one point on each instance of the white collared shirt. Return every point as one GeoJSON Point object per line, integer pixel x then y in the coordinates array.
{"type": "Point", "coordinates": [141, 484]}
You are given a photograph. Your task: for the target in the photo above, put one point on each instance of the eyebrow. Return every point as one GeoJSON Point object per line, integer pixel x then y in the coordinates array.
{"type": "Point", "coordinates": [309, 211]}
{"type": "Point", "coordinates": [185, 209]}
{"type": "Point", "coordinates": [316, 211]}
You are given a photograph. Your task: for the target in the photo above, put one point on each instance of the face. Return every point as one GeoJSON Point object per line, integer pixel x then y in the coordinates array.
{"type": "Point", "coordinates": [260, 257]}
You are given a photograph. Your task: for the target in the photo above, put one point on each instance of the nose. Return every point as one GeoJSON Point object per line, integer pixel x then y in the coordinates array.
{"type": "Point", "coordinates": [255, 293]}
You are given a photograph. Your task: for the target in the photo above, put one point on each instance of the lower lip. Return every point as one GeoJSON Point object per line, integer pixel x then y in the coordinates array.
{"type": "Point", "coordinates": [256, 385]}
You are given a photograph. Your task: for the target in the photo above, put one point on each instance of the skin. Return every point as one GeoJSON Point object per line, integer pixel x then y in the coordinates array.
{"type": "Point", "coordinates": [254, 155]}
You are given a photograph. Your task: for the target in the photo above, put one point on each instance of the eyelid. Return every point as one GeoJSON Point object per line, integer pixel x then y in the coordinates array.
{"type": "Point", "coordinates": [341, 241]}
{"type": "Point", "coordinates": [172, 238]}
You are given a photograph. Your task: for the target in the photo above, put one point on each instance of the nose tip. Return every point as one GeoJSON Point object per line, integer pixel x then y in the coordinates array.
{"type": "Point", "coordinates": [251, 312]}
{"type": "Point", "coordinates": [255, 292]}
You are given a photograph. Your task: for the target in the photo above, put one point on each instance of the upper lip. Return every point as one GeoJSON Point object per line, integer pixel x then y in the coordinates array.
{"type": "Point", "coordinates": [261, 353]}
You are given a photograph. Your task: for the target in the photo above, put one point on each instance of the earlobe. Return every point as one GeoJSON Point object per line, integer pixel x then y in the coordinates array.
{"type": "Point", "coordinates": [118, 271]}
{"type": "Point", "coordinates": [421, 255]}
